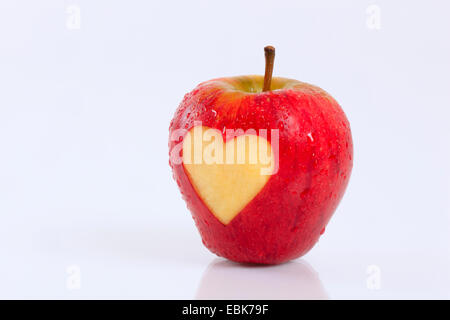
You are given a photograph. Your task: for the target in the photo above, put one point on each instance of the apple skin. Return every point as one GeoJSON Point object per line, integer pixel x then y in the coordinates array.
{"type": "Point", "coordinates": [287, 217]}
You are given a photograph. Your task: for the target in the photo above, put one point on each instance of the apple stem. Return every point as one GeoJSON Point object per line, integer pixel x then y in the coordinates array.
{"type": "Point", "coordinates": [269, 53]}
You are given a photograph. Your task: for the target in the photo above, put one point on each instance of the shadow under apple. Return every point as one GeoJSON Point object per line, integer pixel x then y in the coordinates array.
{"type": "Point", "coordinates": [295, 280]}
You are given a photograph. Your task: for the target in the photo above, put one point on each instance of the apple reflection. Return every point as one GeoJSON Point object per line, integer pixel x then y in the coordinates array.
{"type": "Point", "coordinates": [229, 280]}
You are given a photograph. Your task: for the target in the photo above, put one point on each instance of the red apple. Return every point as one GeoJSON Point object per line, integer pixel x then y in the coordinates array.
{"type": "Point", "coordinates": [245, 216]}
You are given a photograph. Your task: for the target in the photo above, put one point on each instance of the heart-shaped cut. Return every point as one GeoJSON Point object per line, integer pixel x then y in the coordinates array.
{"type": "Point", "coordinates": [226, 176]}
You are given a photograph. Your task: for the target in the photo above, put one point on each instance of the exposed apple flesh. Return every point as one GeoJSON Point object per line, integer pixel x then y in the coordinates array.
{"type": "Point", "coordinates": [286, 217]}
{"type": "Point", "coordinates": [226, 183]}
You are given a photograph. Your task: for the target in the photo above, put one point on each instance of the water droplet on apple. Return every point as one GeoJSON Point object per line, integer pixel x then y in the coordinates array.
{"type": "Point", "coordinates": [304, 193]}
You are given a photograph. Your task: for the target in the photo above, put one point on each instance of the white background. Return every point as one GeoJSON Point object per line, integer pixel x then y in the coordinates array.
{"type": "Point", "coordinates": [85, 188]}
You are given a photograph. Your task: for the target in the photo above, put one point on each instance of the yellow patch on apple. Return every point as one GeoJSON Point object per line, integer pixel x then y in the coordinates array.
{"type": "Point", "coordinates": [226, 176]}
